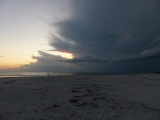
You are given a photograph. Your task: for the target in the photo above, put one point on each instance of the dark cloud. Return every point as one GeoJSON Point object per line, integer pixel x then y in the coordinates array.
{"type": "Point", "coordinates": [105, 36]}
{"type": "Point", "coordinates": [47, 58]}
{"type": "Point", "coordinates": [109, 26]}
{"type": "Point", "coordinates": [113, 31]}
{"type": "Point", "coordinates": [82, 60]}
{"type": "Point", "coordinates": [60, 44]}
{"type": "Point", "coordinates": [46, 62]}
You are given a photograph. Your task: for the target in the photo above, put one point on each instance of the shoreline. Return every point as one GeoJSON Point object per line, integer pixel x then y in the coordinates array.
{"type": "Point", "coordinates": [68, 74]}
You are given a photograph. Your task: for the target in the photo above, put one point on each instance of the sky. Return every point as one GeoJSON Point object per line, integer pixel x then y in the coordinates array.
{"type": "Point", "coordinates": [80, 35]}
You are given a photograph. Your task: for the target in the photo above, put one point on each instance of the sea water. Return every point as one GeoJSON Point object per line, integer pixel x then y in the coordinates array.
{"type": "Point", "coordinates": [31, 74]}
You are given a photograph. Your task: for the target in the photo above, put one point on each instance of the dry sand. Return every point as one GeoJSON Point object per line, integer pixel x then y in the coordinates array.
{"type": "Point", "coordinates": [81, 97]}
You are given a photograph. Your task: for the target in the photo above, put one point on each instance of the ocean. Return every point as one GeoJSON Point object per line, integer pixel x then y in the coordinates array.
{"type": "Point", "coordinates": [31, 74]}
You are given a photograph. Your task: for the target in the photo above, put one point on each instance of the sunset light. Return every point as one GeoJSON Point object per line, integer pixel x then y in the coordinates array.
{"type": "Point", "coordinates": [13, 62]}
{"type": "Point", "coordinates": [80, 36]}
{"type": "Point", "coordinates": [62, 54]}
{"type": "Point", "coordinates": [79, 59]}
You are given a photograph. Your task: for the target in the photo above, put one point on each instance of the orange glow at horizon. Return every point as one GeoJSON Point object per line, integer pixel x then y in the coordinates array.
{"type": "Point", "coordinates": [15, 62]}
{"type": "Point", "coordinates": [6, 63]}
{"type": "Point", "coordinates": [9, 65]}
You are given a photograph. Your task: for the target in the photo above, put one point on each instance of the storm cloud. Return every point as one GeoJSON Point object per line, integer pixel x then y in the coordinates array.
{"type": "Point", "coordinates": [105, 36]}
{"type": "Point", "coordinates": [114, 31]}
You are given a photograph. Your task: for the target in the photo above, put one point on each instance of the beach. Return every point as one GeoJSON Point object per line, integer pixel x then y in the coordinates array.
{"type": "Point", "coordinates": [81, 97]}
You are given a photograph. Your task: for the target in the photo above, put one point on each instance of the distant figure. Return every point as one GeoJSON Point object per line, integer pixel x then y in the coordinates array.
{"type": "Point", "coordinates": [48, 74]}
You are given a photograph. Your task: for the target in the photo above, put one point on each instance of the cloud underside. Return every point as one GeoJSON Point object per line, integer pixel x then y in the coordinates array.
{"type": "Point", "coordinates": [107, 36]}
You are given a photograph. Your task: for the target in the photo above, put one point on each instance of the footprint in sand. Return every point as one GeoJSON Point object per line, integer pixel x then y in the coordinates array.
{"type": "Point", "coordinates": [10, 82]}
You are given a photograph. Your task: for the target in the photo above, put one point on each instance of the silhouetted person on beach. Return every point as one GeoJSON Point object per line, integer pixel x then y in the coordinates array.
{"type": "Point", "coordinates": [48, 74]}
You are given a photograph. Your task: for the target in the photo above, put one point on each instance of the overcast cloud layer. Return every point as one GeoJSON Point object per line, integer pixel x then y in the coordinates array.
{"type": "Point", "coordinates": [107, 36]}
